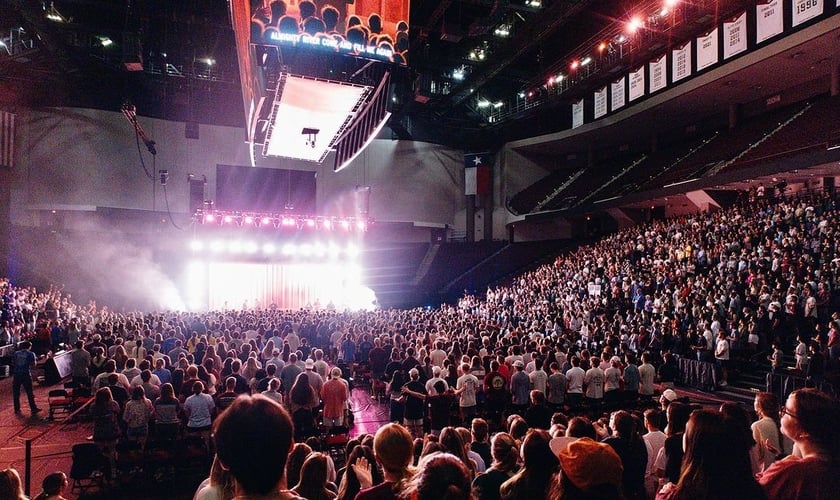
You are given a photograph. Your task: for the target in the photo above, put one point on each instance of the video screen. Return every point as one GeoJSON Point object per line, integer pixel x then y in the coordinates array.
{"type": "Point", "coordinates": [371, 29]}
{"type": "Point", "coordinates": [255, 189]}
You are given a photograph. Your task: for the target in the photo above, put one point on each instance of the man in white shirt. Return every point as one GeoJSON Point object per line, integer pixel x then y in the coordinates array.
{"type": "Point", "coordinates": [647, 374]}
{"type": "Point", "coordinates": [538, 377]}
{"type": "Point", "coordinates": [654, 441]}
{"type": "Point", "coordinates": [574, 381]}
{"type": "Point", "coordinates": [430, 384]}
{"type": "Point", "coordinates": [722, 357]}
{"type": "Point", "coordinates": [467, 387]}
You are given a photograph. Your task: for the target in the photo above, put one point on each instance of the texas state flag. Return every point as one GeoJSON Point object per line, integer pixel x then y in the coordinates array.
{"type": "Point", "coordinates": [477, 167]}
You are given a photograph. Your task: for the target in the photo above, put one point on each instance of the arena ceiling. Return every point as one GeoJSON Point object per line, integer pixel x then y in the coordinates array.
{"type": "Point", "coordinates": [463, 54]}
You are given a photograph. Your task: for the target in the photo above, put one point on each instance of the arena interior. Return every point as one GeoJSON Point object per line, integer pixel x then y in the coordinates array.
{"type": "Point", "coordinates": [386, 249]}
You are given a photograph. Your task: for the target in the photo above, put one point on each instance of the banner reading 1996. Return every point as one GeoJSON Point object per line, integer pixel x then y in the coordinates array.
{"type": "Point", "coordinates": [804, 10]}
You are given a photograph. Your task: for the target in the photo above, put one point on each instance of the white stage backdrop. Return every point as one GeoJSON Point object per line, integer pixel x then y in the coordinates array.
{"type": "Point", "coordinates": [288, 286]}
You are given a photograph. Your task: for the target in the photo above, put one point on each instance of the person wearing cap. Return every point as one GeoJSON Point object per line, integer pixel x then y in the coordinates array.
{"type": "Point", "coordinates": [668, 396]}
{"type": "Point", "coordinates": [335, 395]}
{"type": "Point", "coordinates": [520, 388]}
{"type": "Point", "coordinates": [589, 469]}
{"type": "Point", "coordinates": [315, 379]}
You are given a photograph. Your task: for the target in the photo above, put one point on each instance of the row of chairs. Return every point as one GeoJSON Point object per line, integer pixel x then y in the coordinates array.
{"type": "Point", "coordinates": [166, 454]}
{"type": "Point", "coordinates": [68, 400]}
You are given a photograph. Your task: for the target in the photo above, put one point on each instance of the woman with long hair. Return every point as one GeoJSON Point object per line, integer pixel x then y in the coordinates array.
{"type": "Point", "coordinates": [313, 483]}
{"type": "Point", "coordinates": [632, 450]}
{"type": "Point", "coordinates": [539, 469]}
{"type": "Point", "coordinates": [768, 428]}
{"type": "Point", "coordinates": [505, 464]}
{"type": "Point", "coordinates": [451, 442]}
{"type": "Point", "coordinates": [811, 419]}
{"type": "Point", "coordinates": [349, 484]}
{"type": "Point", "coordinates": [741, 418]}
{"type": "Point", "coordinates": [302, 394]}
{"type": "Point", "coordinates": [716, 463]}
{"type": "Point", "coordinates": [11, 486]}
{"type": "Point", "coordinates": [167, 413]}
{"type": "Point", "coordinates": [106, 427]}
{"type": "Point", "coordinates": [137, 415]}
{"type": "Point", "coordinates": [294, 464]}
{"type": "Point", "coordinates": [396, 398]}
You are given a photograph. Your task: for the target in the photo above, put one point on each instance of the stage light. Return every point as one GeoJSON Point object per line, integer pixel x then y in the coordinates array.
{"type": "Point", "coordinates": [289, 249]}
{"type": "Point", "coordinates": [327, 224]}
{"type": "Point", "coordinates": [458, 73]}
{"type": "Point", "coordinates": [621, 38]}
{"type": "Point", "coordinates": [334, 250]}
{"type": "Point", "coordinates": [602, 46]}
{"type": "Point", "coordinates": [345, 225]}
{"type": "Point", "coordinates": [235, 247]}
{"type": "Point", "coordinates": [265, 221]}
{"type": "Point", "coordinates": [482, 103]}
{"type": "Point", "coordinates": [361, 225]}
{"type": "Point", "coordinates": [305, 250]}
{"type": "Point", "coordinates": [209, 61]}
{"type": "Point", "coordinates": [269, 249]}
{"type": "Point", "coordinates": [105, 41]}
{"type": "Point", "coordinates": [521, 95]}
{"type": "Point", "coordinates": [352, 251]}
{"type": "Point", "coordinates": [319, 249]}
{"type": "Point", "coordinates": [251, 247]}
{"type": "Point", "coordinates": [634, 24]}
{"type": "Point", "coordinates": [586, 60]}
{"type": "Point", "coordinates": [227, 219]}
{"type": "Point", "coordinates": [249, 219]}
{"type": "Point", "coordinates": [217, 246]}
{"type": "Point", "coordinates": [498, 104]}
{"type": "Point", "coordinates": [574, 64]}
{"type": "Point", "coordinates": [209, 218]}
{"type": "Point", "coordinates": [196, 245]}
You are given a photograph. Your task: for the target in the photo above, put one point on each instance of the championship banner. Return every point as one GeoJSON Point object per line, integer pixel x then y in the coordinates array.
{"type": "Point", "coordinates": [577, 114]}
{"type": "Point", "coordinates": [804, 10]}
{"type": "Point", "coordinates": [600, 100]}
{"type": "Point", "coordinates": [707, 49]}
{"type": "Point", "coordinates": [7, 139]}
{"type": "Point", "coordinates": [637, 83]}
{"type": "Point", "coordinates": [769, 20]}
{"type": "Point", "coordinates": [658, 69]}
{"type": "Point", "coordinates": [735, 35]}
{"type": "Point", "coordinates": [681, 65]}
{"type": "Point", "coordinates": [477, 173]}
{"type": "Point", "coordinates": [617, 94]}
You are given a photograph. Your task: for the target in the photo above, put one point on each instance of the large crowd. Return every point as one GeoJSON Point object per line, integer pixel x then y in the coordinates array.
{"type": "Point", "coordinates": [544, 386]}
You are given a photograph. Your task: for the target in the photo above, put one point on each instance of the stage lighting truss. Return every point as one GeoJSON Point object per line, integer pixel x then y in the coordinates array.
{"type": "Point", "coordinates": [289, 222]}
{"type": "Point", "coordinates": [306, 251]}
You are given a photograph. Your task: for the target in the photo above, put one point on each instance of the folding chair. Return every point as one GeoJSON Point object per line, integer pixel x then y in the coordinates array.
{"type": "Point", "coordinates": [60, 402]}
{"type": "Point", "coordinates": [88, 468]}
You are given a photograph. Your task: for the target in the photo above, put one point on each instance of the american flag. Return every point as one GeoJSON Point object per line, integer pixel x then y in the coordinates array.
{"type": "Point", "coordinates": [7, 139]}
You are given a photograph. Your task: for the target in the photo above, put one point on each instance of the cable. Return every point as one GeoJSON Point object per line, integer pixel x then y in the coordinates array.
{"type": "Point", "coordinates": [140, 154]}
{"type": "Point", "coordinates": [169, 212]}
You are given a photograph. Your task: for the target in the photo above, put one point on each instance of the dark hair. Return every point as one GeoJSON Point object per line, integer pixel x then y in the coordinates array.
{"type": "Point", "coordinates": [350, 482]}
{"type": "Point", "coordinates": [678, 414]}
{"type": "Point", "coordinates": [313, 478]}
{"type": "Point", "coordinates": [540, 465]}
{"type": "Point", "coordinates": [505, 452]}
{"type": "Point", "coordinates": [716, 463]}
{"type": "Point", "coordinates": [252, 437]}
{"type": "Point", "coordinates": [294, 463]}
{"type": "Point", "coordinates": [817, 413]}
{"type": "Point", "coordinates": [441, 477]}
{"type": "Point", "coordinates": [581, 427]}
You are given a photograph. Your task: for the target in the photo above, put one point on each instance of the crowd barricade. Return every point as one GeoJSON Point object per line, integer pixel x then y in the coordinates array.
{"type": "Point", "coordinates": [701, 375]}
{"type": "Point", "coordinates": [782, 384]}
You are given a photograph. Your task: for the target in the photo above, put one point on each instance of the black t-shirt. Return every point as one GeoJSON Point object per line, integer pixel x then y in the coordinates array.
{"type": "Point", "coordinates": [414, 407]}
{"type": "Point", "coordinates": [494, 384]}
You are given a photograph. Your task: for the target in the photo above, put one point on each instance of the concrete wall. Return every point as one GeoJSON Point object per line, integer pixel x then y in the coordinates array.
{"type": "Point", "coordinates": [76, 159]}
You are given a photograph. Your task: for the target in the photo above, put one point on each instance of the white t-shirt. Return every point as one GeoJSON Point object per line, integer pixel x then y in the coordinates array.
{"type": "Point", "coordinates": [469, 384]}
{"type": "Point", "coordinates": [574, 379]}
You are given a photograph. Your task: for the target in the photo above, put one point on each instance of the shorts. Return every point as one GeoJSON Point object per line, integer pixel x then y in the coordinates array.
{"type": "Point", "coordinates": [410, 422]}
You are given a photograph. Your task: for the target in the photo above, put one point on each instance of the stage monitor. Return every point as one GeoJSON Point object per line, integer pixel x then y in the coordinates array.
{"type": "Point", "coordinates": [255, 189]}
{"type": "Point", "coordinates": [370, 29]}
